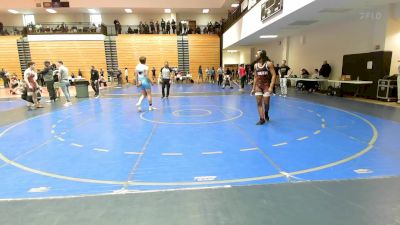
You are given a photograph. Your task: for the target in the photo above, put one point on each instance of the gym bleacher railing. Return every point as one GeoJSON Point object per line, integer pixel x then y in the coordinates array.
{"type": "Point", "coordinates": [234, 16]}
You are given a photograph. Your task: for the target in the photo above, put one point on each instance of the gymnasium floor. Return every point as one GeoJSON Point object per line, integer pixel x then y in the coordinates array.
{"type": "Point", "coordinates": [316, 149]}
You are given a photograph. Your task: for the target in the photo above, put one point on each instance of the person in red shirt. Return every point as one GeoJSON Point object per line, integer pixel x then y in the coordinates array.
{"type": "Point", "coordinates": [242, 74]}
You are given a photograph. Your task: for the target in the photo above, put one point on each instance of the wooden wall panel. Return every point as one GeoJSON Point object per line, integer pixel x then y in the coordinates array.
{"type": "Point", "coordinates": [75, 55]}
{"type": "Point", "coordinates": [204, 50]}
{"type": "Point", "coordinates": [156, 48]}
{"type": "Point", "coordinates": [9, 58]}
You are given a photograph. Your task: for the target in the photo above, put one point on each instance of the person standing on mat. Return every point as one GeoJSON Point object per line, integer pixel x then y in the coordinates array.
{"type": "Point", "coordinates": [126, 75]}
{"type": "Point", "coordinates": [200, 72]}
{"type": "Point", "coordinates": [264, 81]}
{"type": "Point", "coordinates": [94, 80]}
{"type": "Point", "coordinates": [30, 77]}
{"type": "Point", "coordinates": [64, 81]}
{"type": "Point", "coordinates": [220, 76]}
{"type": "Point", "coordinates": [48, 77]}
{"type": "Point", "coordinates": [153, 74]}
{"type": "Point", "coordinates": [242, 74]}
{"type": "Point", "coordinates": [166, 79]}
{"type": "Point", "coordinates": [144, 83]}
{"type": "Point", "coordinates": [283, 74]}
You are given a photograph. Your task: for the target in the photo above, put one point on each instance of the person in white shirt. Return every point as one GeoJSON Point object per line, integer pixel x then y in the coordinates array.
{"type": "Point", "coordinates": [144, 83]}
{"type": "Point", "coordinates": [166, 79]}
{"type": "Point", "coordinates": [126, 75]}
{"type": "Point", "coordinates": [64, 82]}
{"type": "Point", "coordinates": [30, 77]}
{"type": "Point", "coordinates": [283, 71]}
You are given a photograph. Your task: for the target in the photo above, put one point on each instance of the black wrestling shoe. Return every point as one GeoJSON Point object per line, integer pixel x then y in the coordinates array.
{"type": "Point", "coordinates": [261, 122]}
{"type": "Point", "coordinates": [266, 116]}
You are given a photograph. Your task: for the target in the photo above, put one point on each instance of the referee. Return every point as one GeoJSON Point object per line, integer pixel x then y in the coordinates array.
{"type": "Point", "coordinates": [166, 79]}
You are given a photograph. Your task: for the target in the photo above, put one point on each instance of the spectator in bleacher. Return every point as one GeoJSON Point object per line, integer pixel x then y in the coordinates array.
{"type": "Point", "coordinates": [140, 27]}
{"type": "Point", "coordinates": [157, 27]}
{"type": "Point", "coordinates": [185, 28]}
{"type": "Point", "coordinates": [117, 26]}
{"type": "Point", "coordinates": [64, 81]}
{"type": "Point", "coordinates": [146, 28]}
{"type": "Point", "coordinates": [198, 30]}
{"type": "Point", "coordinates": [325, 70]}
{"type": "Point", "coordinates": [173, 25]}
{"type": "Point", "coordinates": [94, 80]}
{"type": "Point", "coordinates": [47, 74]}
{"type": "Point", "coordinates": [152, 27]}
{"type": "Point", "coordinates": [205, 30]}
{"type": "Point", "coordinates": [1, 28]}
{"type": "Point", "coordinates": [168, 27]}
{"type": "Point", "coordinates": [163, 26]}
{"type": "Point", "coordinates": [80, 73]}
{"type": "Point", "coordinates": [130, 31]}
{"type": "Point", "coordinates": [180, 28]}
{"type": "Point", "coordinates": [217, 27]}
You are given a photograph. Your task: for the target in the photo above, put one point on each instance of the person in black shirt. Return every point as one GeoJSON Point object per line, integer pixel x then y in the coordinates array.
{"type": "Point", "coordinates": [152, 28]}
{"type": "Point", "coordinates": [47, 74]}
{"type": "Point", "coordinates": [168, 27]}
{"type": "Point", "coordinates": [119, 77]}
{"type": "Point", "coordinates": [94, 80]}
{"type": "Point", "coordinates": [163, 26]}
{"type": "Point", "coordinates": [157, 27]}
{"type": "Point", "coordinates": [173, 24]}
{"type": "Point", "coordinates": [153, 71]}
{"type": "Point", "coordinates": [325, 70]}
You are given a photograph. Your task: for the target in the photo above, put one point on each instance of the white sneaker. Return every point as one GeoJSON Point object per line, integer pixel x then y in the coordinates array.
{"type": "Point", "coordinates": [139, 109]}
{"type": "Point", "coordinates": [67, 104]}
{"type": "Point", "coordinates": [284, 96]}
{"type": "Point", "coordinates": [49, 101]}
{"type": "Point", "coordinates": [151, 108]}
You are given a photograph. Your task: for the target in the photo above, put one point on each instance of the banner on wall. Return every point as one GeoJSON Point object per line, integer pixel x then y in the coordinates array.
{"type": "Point", "coordinates": [270, 8]}
{"type": "Point", "coordinates": [251, 3]}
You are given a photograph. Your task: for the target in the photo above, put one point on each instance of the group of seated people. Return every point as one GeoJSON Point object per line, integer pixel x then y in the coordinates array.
{"type": "Point", "coordinates": [63, 28]}
{"type": "Point", "coordinates": [169, 27]}
{"type": "Point", "coordinates": [10, 81]}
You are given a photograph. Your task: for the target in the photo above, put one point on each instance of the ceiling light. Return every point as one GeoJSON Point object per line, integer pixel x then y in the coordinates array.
{"type": "Point", "coordinates": [268, 36]}
{"type": "Point", "coordinates": [206, 10]}
{"type": "Point", "coordinates": [167, 10]}
{"type": "Point", "coordinates": [92, 10]}
{"type": "Point", "coordinates": [51, 11]}
{"type": "Point", "coordinates": [128, 10]}
{"type": "Point", "coordinates": [13, 11]}
{"type": "Point", "coordinates": [235, 5]}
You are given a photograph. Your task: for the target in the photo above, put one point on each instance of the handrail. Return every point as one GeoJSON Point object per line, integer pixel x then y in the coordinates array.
{"type": "Point", "coordinates": [235, 16]}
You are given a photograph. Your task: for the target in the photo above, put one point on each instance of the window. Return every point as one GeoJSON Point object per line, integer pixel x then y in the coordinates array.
{"type": "Point", "coordinates": [95, 19]}
{"type": "Point", "coordinates": [28, 19]}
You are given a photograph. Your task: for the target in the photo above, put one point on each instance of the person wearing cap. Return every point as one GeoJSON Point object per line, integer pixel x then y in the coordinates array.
{"type": "Point", "coordinates": [47, 74]}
